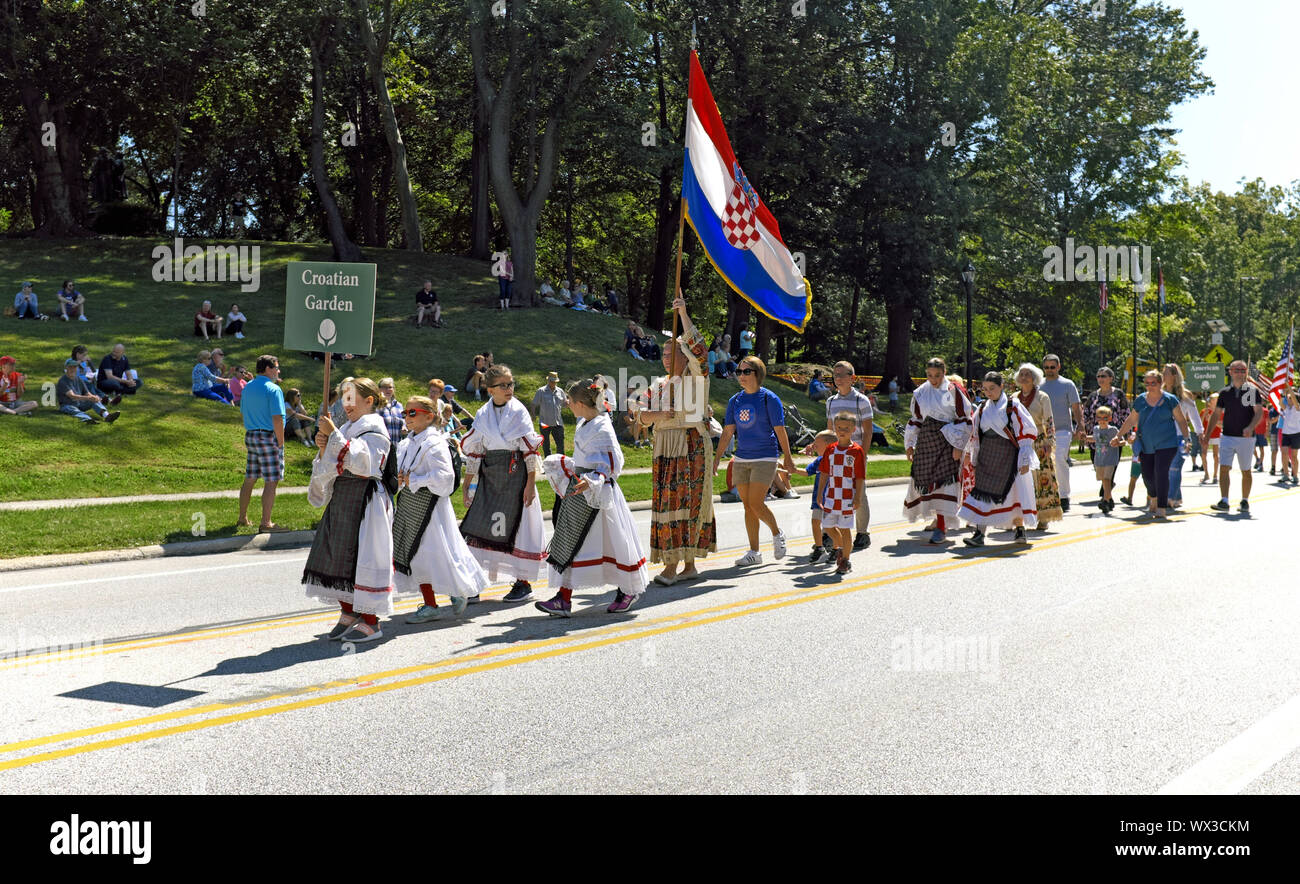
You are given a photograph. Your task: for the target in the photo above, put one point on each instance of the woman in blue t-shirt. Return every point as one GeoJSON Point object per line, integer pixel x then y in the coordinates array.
{"type": "Point", "coordinates": [756, 418]}
{"type": "Point", "coordinates": [1161, 425]}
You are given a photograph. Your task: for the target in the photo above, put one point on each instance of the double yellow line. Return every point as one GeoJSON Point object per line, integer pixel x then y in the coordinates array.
{"type": "Point", "coordinates": [527, 652]}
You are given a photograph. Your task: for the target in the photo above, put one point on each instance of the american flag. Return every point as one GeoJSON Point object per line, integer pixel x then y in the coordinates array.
{"type": "Point", "coordinates": [1104, 297]}
{"type": "Point", "coordinates": [1285, 368]}
{"type": "Point", "coordinates": [1257, 380]}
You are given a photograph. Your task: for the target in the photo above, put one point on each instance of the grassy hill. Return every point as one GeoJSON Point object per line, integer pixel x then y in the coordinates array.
{"type": "Point", "coordinates": [167, 441]}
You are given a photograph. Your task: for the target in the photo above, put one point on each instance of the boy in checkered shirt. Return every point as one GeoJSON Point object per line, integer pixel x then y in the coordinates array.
{"type": "Point", "coordinates": [844, 468]}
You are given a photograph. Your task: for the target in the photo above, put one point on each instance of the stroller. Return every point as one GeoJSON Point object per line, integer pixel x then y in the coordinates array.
{"type": "Point", "coordinates": [801, 435]}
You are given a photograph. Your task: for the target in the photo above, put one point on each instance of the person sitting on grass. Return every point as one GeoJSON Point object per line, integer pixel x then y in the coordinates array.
{"type": "Point", "coordinates": [26, 305]}
{"type": "Point", "coordinates": [239, 379]}
{"type": "Point", "coordinates": [206, 323]}
{"type": "Point", "coordinates": [235, 321]}
{"type": "Point", "coordinates": [206, 384]}
{"type": "Point", "coordinates": [474, 378]}
{"type": "Point", "coordinates": [82, 355]}
{"type": "Point", "coordinates": [817, 389]}
{"type": "Point", "coordinates": [76, 399]}
{"type": "Point", "coordinates": [12, 387]}
{"type": "Point", "coordinates": [71, 302]}
{"type": "Point", "coordinates": [426, 304]}
{"type": "Point", "coordinates": [116, 377]}
{"type": "Point", "coordinates": [298, 422]}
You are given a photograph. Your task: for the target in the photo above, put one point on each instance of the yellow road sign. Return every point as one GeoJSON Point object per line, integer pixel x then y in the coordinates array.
{"type": "Point", "coordinates": [1219, 355]}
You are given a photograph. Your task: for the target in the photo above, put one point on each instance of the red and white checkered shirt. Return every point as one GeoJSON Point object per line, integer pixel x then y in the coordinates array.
{"type": "Point", "coordinates": [842, 468]}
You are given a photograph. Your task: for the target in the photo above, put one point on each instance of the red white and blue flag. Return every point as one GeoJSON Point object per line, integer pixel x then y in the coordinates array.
{"type": "Point", "coordinates": [738, 233]}
{"type": "Point", "coordinates": [1285, 368]}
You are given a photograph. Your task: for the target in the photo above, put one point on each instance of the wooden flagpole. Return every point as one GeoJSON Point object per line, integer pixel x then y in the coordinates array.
{"type": "Point", "coordinates": [325, 402]}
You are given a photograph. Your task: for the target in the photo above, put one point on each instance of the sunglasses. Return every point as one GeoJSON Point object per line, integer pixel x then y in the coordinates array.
{"type": "Point", "coordinates": [412, 412]}
{"type": "Point", "coordinates": [507, 385]}
{"type": "Point", "coordinates": [1151, 383]}
{"type": "Point", "coordinates": [746, 371]}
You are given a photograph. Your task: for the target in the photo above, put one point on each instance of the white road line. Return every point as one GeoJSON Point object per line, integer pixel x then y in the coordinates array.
{"type": "Point", "coordinates": [1243, 759]}
{"type": "Point", "coordinates": [146, 575]}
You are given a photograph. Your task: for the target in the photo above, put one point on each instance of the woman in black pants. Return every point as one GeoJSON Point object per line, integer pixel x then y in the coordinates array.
{"type": "Point", "coordinates": [1159, 422]}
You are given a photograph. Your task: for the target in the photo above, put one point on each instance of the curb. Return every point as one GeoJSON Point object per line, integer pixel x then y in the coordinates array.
{"type": "Point", "coordinates": [286, 540]}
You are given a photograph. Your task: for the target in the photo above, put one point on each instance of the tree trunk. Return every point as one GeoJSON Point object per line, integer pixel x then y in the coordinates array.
{"type": "Point", "coordinates": [898, 346]}
{"type": "Point", "coordinates": [56, 217]}
{"type": "Point", "coordinates": [379, 83]}
{"type": "Point", "coordinates": [480, 211]}
{"type": "Point", "coordinates": [853, 319]}
{"type": "Point", "coordinates": [568, 227]}
{"type": "Point", "coordinates": [344, 248]}
{"type": "Point", "coordinates": [764, 333]}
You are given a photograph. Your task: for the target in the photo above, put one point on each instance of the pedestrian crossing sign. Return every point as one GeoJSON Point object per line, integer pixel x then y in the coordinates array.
{"type": "Point", "coordinates": [1219, 355]}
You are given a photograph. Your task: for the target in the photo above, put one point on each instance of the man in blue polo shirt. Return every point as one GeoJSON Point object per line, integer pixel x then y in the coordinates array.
{"type": "Point", "coordinates": [262, 404]}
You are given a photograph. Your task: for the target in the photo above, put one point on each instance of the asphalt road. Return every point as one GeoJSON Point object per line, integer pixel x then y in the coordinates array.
{"type": "Point", "coordinates": [1109, 656]}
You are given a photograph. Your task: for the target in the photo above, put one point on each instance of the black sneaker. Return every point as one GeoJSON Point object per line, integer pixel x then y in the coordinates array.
{"type": "Point", "coordinates": [518, 592]}
{"type": "Point", "coordinates": [816, 555]}
{"type": "Point", "coordinates": [1065, 504]}
{"type": "Point", "coordinates": [1020, 536]}
{"type": "Point", "coordinates": [828, 544]}
{"type": "Point", "coordinates": [976, 539]}
{"type": "Point", "coordinates": [1272, 471]}
{"type": "Point", "coordinates": [1126, 501]}
{"type": "Point", "coordinates": [861, 541]}
{"type": "Point", "coordinates": [1221, 505]}
{"type": "Point", "coordinates": [472, 600]}
{"type": "Point", "coordinates": [1244, 507]}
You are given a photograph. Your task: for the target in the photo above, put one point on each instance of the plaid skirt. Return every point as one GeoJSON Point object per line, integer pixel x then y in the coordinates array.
{"type": "Point", "coordinates": [410, 519]}
{"type": "Point", "coordinates": [572, 518]}
{"type": "Point", "coordinates": [933, 465]}
{"type": "Point", "coordinates": [265, 456]}
{"type": "Point", "coordinates": [492, 519]}
{"type": "Point", "coordinates": [332, 562]}
{"type": "Point", "coordinates": [995, 472]}
{"type": "Point", "coordinates": [682, 526]}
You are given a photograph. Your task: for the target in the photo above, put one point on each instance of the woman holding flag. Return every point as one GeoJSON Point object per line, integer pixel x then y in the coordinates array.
{"type": "Point", "coordinates": [682, 527]}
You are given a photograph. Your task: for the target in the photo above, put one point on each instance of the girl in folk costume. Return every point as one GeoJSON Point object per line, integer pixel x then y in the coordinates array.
{"type": "Point", "coordinates": [1002, 451]}
{"type": "Point", "coordinates": [428, 550]}
{"type": "Point", "coordinates": [682, 527]}
{"type": "Point", "coordinates": [1047, 494]}
{"type": "Point", "coordinates": [935, 438]}
{"type": "Point", "coordinates": [351, 559]}
{"type": "Point", "coordinates": [595, 541]}
{"type": "Point", "coordinates": [503, 520]}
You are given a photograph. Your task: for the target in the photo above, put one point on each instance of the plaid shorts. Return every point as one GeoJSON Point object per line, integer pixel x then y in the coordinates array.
{"type": "Point", "coordinates": [265, 456]}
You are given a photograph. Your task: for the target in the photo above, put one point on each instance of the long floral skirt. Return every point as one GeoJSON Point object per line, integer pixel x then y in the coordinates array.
{"type": "Point", "coordinates": [682, 527]}
{"type": "Point", "coordinates": [1047, 493]}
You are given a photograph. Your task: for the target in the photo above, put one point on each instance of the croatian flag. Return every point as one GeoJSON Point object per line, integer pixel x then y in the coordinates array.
{"type": "Point", "coordinates": [738, 233]}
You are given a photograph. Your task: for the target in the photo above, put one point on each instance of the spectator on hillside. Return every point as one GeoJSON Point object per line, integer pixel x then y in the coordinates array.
{"type": "Point", "coordinates": [391, 411]}
{"type": "Point", "coordinates": [26, 305]}
{"type": "Point", "coordinates": [296, 419]}
{"type": "Point", "coordinates": [426, 304]}
{"type": "Point", "coordinates": [474, 382]}
{"type": "Point", "coordinates": [817, 389]}
{"type": "Point", "coordinates": [116, 377]}
{"type": "Point", "coordinates": [206, 384]}
{"type": "Point", "coordinates": [893, 395]}
{"type": "Point", "coordinates": [579, 295]}
{"type": "Point", "coordinates": [71, 302]}
{"type": "Point", "coordinates": [81, 355]}
{"type": "Point", "coordinates": [218, 361]}
{"type": "Point", "coordinates": [207, 323]}
{"type": "Point", "coordinates": [721, 363]}
{"type": "Point", "coordinates": [12, 386]}
{"type": "Point", "coordinates": [76, 399]}
{"type": "Point", "coordinates": [503, 283]}
{"type": "Point", "coordinates": [235, 320]}
{"type": "Point", "coordinates": [611, 298]}
{"type": "Point", "coordinates": [457, 416]}
{"type": "Point", "coordinates": [548, 295]}
{"type": "Point", "coordinates": [239, 379]}
{"type": "Point", "coordinates": [566, 293]}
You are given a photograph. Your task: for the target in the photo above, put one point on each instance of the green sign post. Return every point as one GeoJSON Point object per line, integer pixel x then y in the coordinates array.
{"type": "Point", "coordinates": [330, 307]}
{"type": "Point", "coordinates": [1204, 377]}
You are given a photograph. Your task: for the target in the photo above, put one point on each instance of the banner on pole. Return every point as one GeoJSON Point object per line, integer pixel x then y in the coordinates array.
{"type": "Point", "coordinates": [1205, 377]}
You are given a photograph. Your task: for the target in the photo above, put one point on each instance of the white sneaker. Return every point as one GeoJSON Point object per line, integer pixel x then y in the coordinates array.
{"type": "Point", "coordinates": [778, 546]}
{"type": "Point", "coordinates": [753, 557]}
{"type": "Point", "coordinates": [83, 318]}
{"type": "Point", "coordinates": [239, 336]}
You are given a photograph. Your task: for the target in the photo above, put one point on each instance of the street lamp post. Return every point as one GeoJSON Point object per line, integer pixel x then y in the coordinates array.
{"type": "Point", "coordinates": [968, 280]}
{"type": "Point", "coordinates": [1241, 317]}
